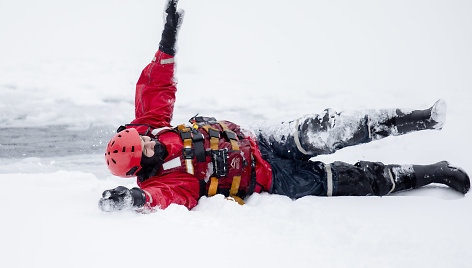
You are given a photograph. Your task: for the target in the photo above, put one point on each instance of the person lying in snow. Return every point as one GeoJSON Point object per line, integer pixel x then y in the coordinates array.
{"type": "Point", "coordinates": [178, 165]}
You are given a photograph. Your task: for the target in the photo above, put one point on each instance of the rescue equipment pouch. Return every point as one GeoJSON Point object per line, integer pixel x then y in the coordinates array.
{"type": "Point", "coordinates": [212, 153]}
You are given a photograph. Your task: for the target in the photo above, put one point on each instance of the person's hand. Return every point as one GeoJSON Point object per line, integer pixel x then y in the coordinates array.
{"type": "Point", "coordinates": [173, 19]}
{"type": "Point", "coordinates": [121, 198]}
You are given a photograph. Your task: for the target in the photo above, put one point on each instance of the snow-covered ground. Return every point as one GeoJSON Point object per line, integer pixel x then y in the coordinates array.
{"type": "Point", "coordinates": [67, 75]}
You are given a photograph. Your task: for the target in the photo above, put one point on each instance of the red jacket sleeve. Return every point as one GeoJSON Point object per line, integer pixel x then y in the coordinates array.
{"type": "Point", "coordinates": [155, 92]}
{"type": "Point", "coordinates": [175, 188]}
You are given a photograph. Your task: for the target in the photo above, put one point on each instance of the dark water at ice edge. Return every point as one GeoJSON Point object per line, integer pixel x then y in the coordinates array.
{"type": "Point", "coordinates": [53, 141]}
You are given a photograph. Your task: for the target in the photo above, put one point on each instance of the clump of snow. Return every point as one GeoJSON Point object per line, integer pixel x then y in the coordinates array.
{"type": "Point", "coordinates": [401, 170]}
{"type": "Point", "coordinates": [438, 113]}
{"type": "Point", "coordinates": [377, 120]}
{"type": "Point", "coordinates": [274, 130]}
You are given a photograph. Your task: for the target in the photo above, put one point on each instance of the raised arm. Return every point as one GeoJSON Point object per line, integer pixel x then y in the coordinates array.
{"type": "Point", "coordinates": [155, 90]}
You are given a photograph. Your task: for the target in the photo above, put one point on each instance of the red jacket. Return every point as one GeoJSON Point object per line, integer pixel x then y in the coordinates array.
{"type": "Point", "coordinates": [154, 105]}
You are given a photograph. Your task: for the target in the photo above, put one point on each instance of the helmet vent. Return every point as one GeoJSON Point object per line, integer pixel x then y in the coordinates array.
{"type": "Point", "coordinates": [113, 161]}
{"type": "Point", "coordinates": [108, 162]}
{"type": "Point", "coordinates": [112, 143]}
{"type": "Point", "coordinates": [124, 149]}
{"type": "Point", "coordinates": [127, 131]}
{"type": "Point", "coordinates": [119, 136]}
{"type": "Point", "coordinates": [115, 151]}
{"type": "Point", "coordinates": [132, 149]}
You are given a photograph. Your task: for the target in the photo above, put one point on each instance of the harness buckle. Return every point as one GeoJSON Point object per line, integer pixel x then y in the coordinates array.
{"type": "Point", "coordinates": [185, 135]}
{"type": "Point", "coordinates": [219, 158]}
{"type": "Point", "coordinates": [213, 133]}
{"type": "Point", "coordinates": [188, 153]}
{"type": "Point", "coordinates": [230, 135]}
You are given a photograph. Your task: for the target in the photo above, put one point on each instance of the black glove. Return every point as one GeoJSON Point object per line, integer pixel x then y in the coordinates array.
{"type": "Point", "coordinates": [151, 165]}
{"type": "Point", "coordinates": [155, 161]}
{"type": "Point", "coordinates": [169, 34]}
{"type": "Point", "coordinates": [122, 198]}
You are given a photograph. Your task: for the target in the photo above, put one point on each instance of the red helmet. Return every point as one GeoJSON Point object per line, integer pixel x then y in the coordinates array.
{"type": "Point", "coordinates": [124, 153]}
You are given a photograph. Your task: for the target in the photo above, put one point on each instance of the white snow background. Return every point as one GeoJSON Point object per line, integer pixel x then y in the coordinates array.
{"type": "Point", "coordinates": [72, 66]}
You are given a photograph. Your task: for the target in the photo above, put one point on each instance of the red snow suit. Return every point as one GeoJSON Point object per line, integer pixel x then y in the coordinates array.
{"type": "Point", "coordinates": [154, 105]}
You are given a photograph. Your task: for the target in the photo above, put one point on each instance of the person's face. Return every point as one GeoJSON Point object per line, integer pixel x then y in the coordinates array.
{"type": "Point", "coordinates": [148, 146]}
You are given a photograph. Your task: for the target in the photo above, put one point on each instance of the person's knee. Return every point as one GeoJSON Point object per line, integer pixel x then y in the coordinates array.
{"type": "Point", "coordinates": [362, 178]}
{"type": "Point", "coordinates": [378, 176]}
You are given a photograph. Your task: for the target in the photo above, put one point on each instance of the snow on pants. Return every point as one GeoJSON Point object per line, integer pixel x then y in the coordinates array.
{"type": "Point", "coordinates": [295, 176]}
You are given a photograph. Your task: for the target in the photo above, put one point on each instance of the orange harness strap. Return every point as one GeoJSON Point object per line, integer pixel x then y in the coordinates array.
{"type": "Point", "coordinates": [215, 136]}
{"type": "Point", "coordinates": [186, 135]}
{"type": "Point", "coordinates": [233, 139]}
{"type": "Point", "coordinates": [214, 145]}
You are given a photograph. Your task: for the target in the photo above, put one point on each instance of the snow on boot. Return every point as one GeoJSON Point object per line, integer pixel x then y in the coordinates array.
{"type": "Point", "coordinates": [403, 177]}
{"type": "Point", "coordinates": [402, 121]}
{"type": "Point", "coordinates": [442, 172]}
{"type": "Point", "coordinates": [438, 114]}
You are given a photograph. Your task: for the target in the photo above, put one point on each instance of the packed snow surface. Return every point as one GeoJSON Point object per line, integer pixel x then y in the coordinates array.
{"type": "Point", "coordinates": [67, 76]}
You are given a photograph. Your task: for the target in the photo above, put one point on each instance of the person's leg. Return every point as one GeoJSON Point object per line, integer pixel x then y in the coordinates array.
{"type": "Point", "coordinates": [277, 140]}
{"type": "Point", "coordinates": [297, 178]}
{"type": "Point", "coordinates": [374, 178]}
{"type": "Point", "coordinates": [330, 131]}
{"type": "Point", "coordinates": [293, 177]}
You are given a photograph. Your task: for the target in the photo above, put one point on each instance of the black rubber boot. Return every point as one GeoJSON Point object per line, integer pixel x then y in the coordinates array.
{"type": "Point", "coordinates": [442, 172]}
{"type": "Point", "coordinates": [402, 121]}
{"type": "Point", "coordinates": [415, 176]}
{"type": "Point", "coordinates": [404, 177]}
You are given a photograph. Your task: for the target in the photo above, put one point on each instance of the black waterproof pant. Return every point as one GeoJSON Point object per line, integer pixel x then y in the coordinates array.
{"type": "Point", "coordinates": [288, 147]}
{"type": "Point", "coordinates": [297, 178]}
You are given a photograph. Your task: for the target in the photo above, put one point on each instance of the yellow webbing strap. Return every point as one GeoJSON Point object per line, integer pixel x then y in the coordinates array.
{"type": "Point", "coordinates": [213, 186]}
{"type": "Point", "coordinates": [214, 145]}
{"type": "Point", "coordinates": [235, 185]}
{"type": "Point", "coordinates": [187, 145]}
{"type": "Point", "coordinates": [236, 179]}
{"type": "Point", "coordinates": [206, 128]}
{"type": "Point", "coordinates": [214, 141]}
{"type": "Point", "coordinates": [234, 142]}
{"type": "Point", "coordinates": [187, 142]}
{"type": "Point", "coordinates": [236, 199]}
